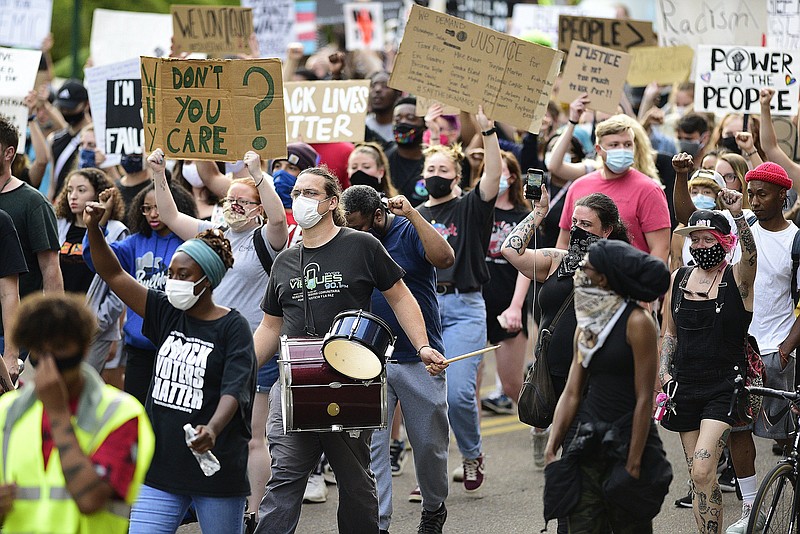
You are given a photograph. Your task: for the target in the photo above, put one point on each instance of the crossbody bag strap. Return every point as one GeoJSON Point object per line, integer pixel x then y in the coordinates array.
{"type": "Point", "coordinates": [561, 310]}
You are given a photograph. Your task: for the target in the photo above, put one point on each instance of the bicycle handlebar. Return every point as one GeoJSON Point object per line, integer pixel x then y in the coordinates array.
{"type": "Point", "coordinates": [792, 396]}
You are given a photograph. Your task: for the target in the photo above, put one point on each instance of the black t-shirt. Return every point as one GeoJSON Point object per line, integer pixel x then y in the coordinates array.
{"type": "Point", "coordinates": [63, 143]}
{"type": "Point", "coordinates": [129, 192]}
{"type": "Point", "coordinates": [407, 176]}
{"type": "Point", "coordinates": [499, 291]}
{"type": "Point", "coordinates": [198, 362]}
{"type": "Point", "coordinates": [77, 275]}
{"type": "Point", "coordinates": [466, 224]}
{"type": "Point", "coordinates": [340, 274]}
{"type": "Point", "coordinates": [12, 261]}
{"type": "Point", "coordinates": [552, 294]}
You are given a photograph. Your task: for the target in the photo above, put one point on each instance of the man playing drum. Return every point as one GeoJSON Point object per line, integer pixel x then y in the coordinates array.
{"type": "Point", "coordinates": [340, 268]}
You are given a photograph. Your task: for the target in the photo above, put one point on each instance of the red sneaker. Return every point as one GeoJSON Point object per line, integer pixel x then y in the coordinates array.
{"type": "Point", "coordinates": [473, 474]}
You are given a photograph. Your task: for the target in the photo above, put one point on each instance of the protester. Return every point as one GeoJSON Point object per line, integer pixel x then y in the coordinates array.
{"type": "Point", "coordinates": [75, 451]}
{"type": "Point", "coordinates": [368, 165]}
{"type": "Point", "coordinates": [405, 156]}
{"type": "Point", "coordinates": [382, 98]}
{"type": "Point", "coordinates": [11, 266]}
{"type": "Point", "coordinates": [72, 100]}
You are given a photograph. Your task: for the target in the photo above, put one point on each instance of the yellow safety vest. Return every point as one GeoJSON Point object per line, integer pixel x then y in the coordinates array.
{"type": "Point", "coordinates": [43, 504]}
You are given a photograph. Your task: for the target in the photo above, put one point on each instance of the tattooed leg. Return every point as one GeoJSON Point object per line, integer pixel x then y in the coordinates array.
{"type": "Point", "coordinates": [710, 442]}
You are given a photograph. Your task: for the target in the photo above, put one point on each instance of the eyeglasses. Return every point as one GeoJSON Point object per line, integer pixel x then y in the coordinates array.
{"type": "Point", "coordinates": [730, 177]}
{"type": "Point", "coordinates": [147, 208]}
{"type": "Point", "coordinates": [242, 203]}
{"type": "Point", "coordinates": [308, 193]}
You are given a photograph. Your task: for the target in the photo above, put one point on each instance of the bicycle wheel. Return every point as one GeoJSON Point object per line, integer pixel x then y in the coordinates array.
{"type": "Point", "coordinates": [772, 509]}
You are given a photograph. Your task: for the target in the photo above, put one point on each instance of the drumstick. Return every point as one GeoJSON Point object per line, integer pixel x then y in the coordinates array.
{"type": "Point", "coordinates": [469, 354]}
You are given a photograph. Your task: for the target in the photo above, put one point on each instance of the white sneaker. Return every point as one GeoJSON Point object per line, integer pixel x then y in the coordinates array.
{"type": "Point", "coordinates": [539, 439]}
{"type": "Point", "coordinates": [458, 474]}
{"type": "Point", "coordinates": [316, 490]}
{"type": "Point", "coordinates": [740, 527]}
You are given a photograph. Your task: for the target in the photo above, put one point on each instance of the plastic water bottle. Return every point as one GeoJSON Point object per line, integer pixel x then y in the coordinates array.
{"type": "Point", "coordinates": [208, 462]}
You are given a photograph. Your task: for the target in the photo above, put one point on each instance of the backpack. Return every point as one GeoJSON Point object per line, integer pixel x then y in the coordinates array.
{"type": "Point", "coordinates": [263, 254]}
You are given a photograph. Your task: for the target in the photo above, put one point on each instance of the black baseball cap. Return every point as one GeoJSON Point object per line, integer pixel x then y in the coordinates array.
{"type": "Point", "coordinates": [71, 95]}
{"type": "Point", "coordinates": [706, 220]}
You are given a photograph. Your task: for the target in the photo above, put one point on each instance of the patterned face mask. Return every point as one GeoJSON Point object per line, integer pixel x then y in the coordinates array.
{"type": "Point", "coordinates": [708, 258]}
{"type": "Point", "coordinates": [579, 242]}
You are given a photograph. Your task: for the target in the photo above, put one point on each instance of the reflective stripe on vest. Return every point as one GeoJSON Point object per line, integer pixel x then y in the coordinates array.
{"type": "Point", "coordinates": [32, 493]}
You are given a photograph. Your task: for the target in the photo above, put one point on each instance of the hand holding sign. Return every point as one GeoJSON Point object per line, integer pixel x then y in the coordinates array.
{"type": "Point", "coordinates": [434, 112]}
{"type": "Point", "coordinates": [483, 121]}
{"type": "Point", "coordinates": [253, 163]}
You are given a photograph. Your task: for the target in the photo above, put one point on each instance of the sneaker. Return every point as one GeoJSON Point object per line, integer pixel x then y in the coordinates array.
{"type": "Point", "coordinates": [432, 522]}
{"type": "Point", "coordinates": [740, 527]}
{"type": "Point", "coordinates": [499, 404]}
{"type": "Point", "coordinates": [727, 480]}
{"type": "Point", "coordinates": [250, 522]}
{"type": "Point", "coordinates": [539, 439]}
{"type": "Point", "coordinates": [473, 474]}
{"type": "Point", "coordinates": [328, 474]}
{"type": "Point", "coordinates": [397, 454]}
{"type": "Point", "coordinates": [316, 490]}
{"type": "Point", "coordinates": [458, 474]}
{"type": "Point", "coordinates": [684, 502]}
{"type": "Point", "coordinates": [415, 495]}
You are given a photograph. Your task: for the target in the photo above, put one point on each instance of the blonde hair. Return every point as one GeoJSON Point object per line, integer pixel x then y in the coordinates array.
{"type": "Point", "coordinates": [643, 153]}
{"type": "Point", "coordinates": [375, 151]}
{"type": "Point", "coordinates": [452, 152]}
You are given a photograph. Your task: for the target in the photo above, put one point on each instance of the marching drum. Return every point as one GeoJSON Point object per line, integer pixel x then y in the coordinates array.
{"type": "Point", "coordinates": [317, 398]}
{"type": "Point", "coordinates": [358, 344]}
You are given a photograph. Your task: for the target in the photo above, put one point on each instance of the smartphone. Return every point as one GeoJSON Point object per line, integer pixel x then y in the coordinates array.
{"type": "Point", "coordinates": [533, 184]}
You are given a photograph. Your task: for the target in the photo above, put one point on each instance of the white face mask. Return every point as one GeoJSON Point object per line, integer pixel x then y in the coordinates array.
{"type": "Point", "coordinates": [305, 212]}
{"type": "Point", "coordinates": [234, 167]}
{"type": "Point", "coordinates": [503, 184]}
{"type": "Point", "coordinates": [180, 293]}
{"type": "Point", "coordinates": [191, 175]}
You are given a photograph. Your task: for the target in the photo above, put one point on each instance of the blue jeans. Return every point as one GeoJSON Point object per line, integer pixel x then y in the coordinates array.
{"type": "Point", "coordinates": [463, 330]}
{"type": "Point", "coordinates": [161, 512]}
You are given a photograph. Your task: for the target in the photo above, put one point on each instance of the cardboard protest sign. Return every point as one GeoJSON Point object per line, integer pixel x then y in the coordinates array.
{"type": "Point", "coordinates": [424, 103]}
{"type": "Point", "coordinates": [121, 35]}
{"type": "Point", "coordinates": [363, 26]}
{"type": "Point", "coordinates": [664, 65]}
{"type": "Point", "coordinates": [786, 135]}
{"type": "Point", "coordinates": [326, 112]}
{"type": "Point", "coordinates": [213, 109]}
{"type": "Point", "coordinates": [124, 130]}
{"type": "Point", "coordinates": [729, 79]}
{"type": "Point", "coordinates": [532, 19]}
{"type": "Point", "coordinates": [466, 65]}
{"type": "Point", "coordinates": [692, 23]}
{"type": "Point", "coordinates": [493, 15]}
{"type": "Point", "coordinates": [783, 22]}
{"type": "Point", "coordinates": [25, 23]}
{"type": "Point", "coordinates": [96, 81]}
{"type": "Point", "coordinates": [595, 70]}
{"type": "Point", "coordinates": [610, 33]}
{"type": "Point", "coordinates": [17, 76]}
{"type": "Point", "coordinates": [273, 22]}
{"type": "Point", "coordinates": [215, 30]}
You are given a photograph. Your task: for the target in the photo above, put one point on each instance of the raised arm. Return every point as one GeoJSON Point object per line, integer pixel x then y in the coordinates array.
{"type": "Point", "coordinates": [569, 171]}
{"type": "Point", "coordinates": [214, 180]}
{"type": "Point", "coordinates": [184, 226]}
{"type": "Point", "coordinates": [515, 249]}
{"type": "Point", "coordinates": [107, 265]}
{"type": "Point", "coordinates": [681, 199]}
{"type": "Point", "coordinates": [769, 140]}
{"type": "Point", "coordinates": [745, 270]}
{"type": "Point", "coordinates": [438, 251]}
{"type": "Point", "coordinates": [489, 185]}
{"type": "Point", "coordinates": [277, 230]}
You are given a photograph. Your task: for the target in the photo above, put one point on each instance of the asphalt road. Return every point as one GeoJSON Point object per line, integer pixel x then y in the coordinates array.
{"type": "Point", "coordinates": [511, 499]}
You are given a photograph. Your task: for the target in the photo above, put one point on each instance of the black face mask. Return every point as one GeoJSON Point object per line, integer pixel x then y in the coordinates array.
{"type": "Point", "coordinates": [729, 143]}
{"type": "Point", "coordinates": [438, 187]}
{"type": "Point", "coordinates": [131, 163]}
{"type": "Point", "coordinates": [74, 118]}
{"type": "Point", "coordinates": [62, 364]}
{"type": "Point", "coordinates": [579, 242]}
{"type": "Point", "coordinates": [362, 178]}
{"type": "Point", "coordinates": [408, 134]}
{"type": "Point", "coordinates": [690, 147]}
{"type": "Point", "coordinates": [708, 258]}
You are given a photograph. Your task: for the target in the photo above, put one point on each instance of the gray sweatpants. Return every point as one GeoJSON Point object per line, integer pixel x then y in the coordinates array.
{"type": "Point", "coordinates": [295, 455]}
{"type": "Point", "coordinates": [423, 399]}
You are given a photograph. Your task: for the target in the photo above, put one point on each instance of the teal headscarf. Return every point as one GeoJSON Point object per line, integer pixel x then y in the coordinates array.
{"type": "Point", "coordinates": [208, 260]}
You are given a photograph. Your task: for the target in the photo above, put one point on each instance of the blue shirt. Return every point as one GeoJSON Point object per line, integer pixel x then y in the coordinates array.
{"type": "Point", "coordinates": [405, 247]}
{"type": "Point", "coordinates": [146, 259]}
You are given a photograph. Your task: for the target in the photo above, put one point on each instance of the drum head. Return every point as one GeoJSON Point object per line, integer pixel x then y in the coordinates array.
{"type": "Point", "coordinates": [352, 359]}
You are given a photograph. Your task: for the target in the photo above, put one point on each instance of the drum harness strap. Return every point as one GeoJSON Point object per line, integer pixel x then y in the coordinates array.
{"type": "Point", "coordinates": [310, 330]}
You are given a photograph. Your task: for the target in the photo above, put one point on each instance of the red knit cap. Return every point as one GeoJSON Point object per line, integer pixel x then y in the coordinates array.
{"type": "Point", "coordinates": [770, 172]}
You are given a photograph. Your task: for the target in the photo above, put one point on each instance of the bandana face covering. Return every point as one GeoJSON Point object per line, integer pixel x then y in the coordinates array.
{"type": "Point", "coordinates": [708, 258]}
{"type": "Point", "coordinates": [579, 242]}
{"type": "Point", "coordinates": [596, 310]}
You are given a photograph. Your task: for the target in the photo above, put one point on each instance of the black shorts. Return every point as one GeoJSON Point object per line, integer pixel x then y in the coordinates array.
{"type": "Point", "coordinates": [496, 333]}
{"type": "Point", "coordinates": [698, 400]}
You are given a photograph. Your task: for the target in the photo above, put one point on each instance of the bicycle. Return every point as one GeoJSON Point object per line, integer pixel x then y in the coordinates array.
{"type": "Point", "coordinates": [778, 498]}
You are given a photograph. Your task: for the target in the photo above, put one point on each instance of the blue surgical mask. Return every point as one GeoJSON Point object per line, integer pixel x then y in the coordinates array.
{"type": "Point", "coordinates": [703, 202]}
{"type": "Point", "coordinates": [503, 185]}
{"type": "Point", "coordinates": [619, 160]}
{"type": "Point", "coordinates": [86, 159]}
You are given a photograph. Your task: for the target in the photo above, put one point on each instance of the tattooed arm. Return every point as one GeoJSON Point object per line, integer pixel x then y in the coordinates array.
{"type": "Point", "coordinates": [745, 271]}
{"type": "Point", "coordinates": [669, 341]}
{"type": "Point", "coordinates": [515, 247]}
{"type": "Point", "coordinates": [183, 225]}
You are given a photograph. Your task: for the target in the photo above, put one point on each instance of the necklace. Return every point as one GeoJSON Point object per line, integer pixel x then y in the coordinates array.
{"type": "Point", "coordinates": [702, 294]}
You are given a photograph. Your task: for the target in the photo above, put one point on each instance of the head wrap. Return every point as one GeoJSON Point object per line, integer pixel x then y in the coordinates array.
{"type": "Point", "coordinates": [630, 272]}
{"type": "Point", "coordinates": [770, 172]}
{"type": "Point", "coordinates": [208, 260]}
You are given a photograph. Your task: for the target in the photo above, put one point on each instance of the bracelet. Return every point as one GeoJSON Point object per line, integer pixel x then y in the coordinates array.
{"type": "Point", "coordinates": [748, 155]}
{"type": "Point", "coordinates": [260, 181]}
{"type": "Point", "coordinates": [32, 117]}
{"type": "Point", "coordinates": [572, 122]}
{"type": "Point", "coordinates": [489, 132]}
{"type": "Point", "coordinates": [420, 349]}
{"type": "Point", "coordinates": [740, 217]}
